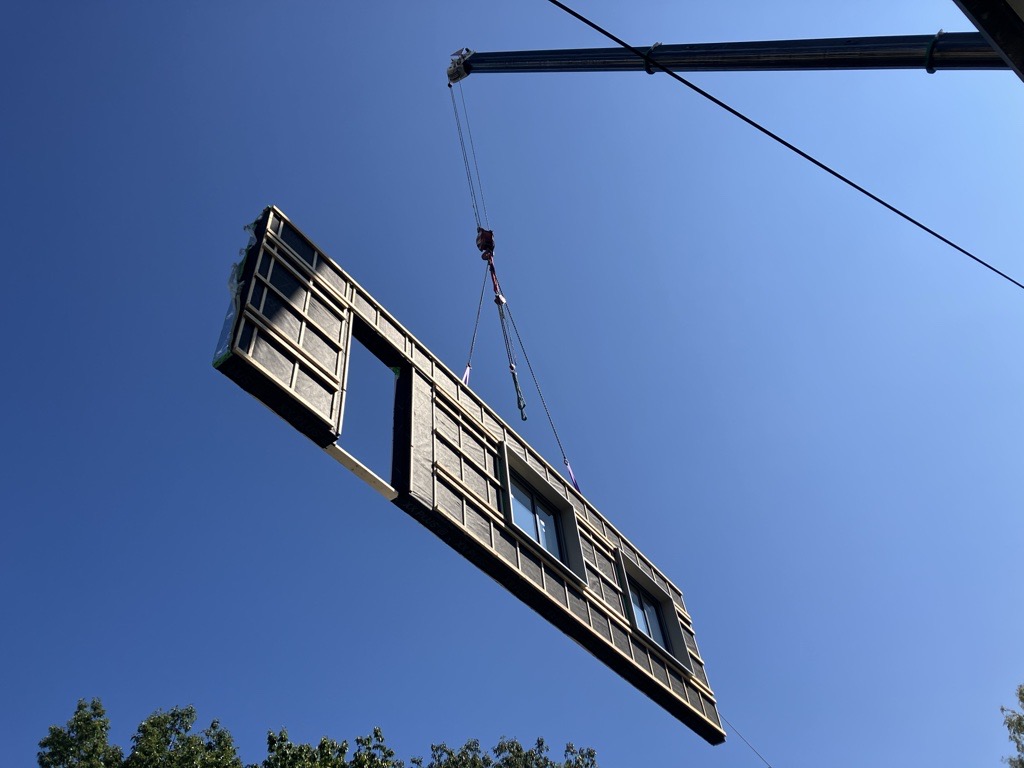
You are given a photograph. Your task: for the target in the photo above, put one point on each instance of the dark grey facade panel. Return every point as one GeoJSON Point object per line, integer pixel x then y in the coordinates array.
{"type": "Point", "coordinates": [293, 315]}
{"type": "Point", "coordinates": [285, 341]}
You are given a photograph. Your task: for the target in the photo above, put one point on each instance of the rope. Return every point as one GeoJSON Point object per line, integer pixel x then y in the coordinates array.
{"type": "Point", "coordinates": [499, 299]}
{"type": "Point", "coordinates": [472, 149]}
{"type": "Point", "coordinates": [476, 327]}
{"type": "Point", "coordinates": [543, 402]}
{"type": "Point", "coordinates": [465, 157]}
{"type": "Point", "coordinates": [649, 62]}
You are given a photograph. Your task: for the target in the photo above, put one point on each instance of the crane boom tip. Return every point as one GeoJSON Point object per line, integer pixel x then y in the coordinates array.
{"type": "Point", "coordinates": [457, 69]}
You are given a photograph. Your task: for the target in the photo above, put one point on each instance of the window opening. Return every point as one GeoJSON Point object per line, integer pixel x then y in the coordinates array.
{"type": "Point", "coordinates": [368, 425]}
{"type": "Point", "coordinates": [534, 517]}
{"type": "Point", "coordinates": [648, 614]}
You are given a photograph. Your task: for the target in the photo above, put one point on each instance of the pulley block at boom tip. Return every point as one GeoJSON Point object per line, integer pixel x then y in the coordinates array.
{"type": "Point", "coordinates": [944, 50]}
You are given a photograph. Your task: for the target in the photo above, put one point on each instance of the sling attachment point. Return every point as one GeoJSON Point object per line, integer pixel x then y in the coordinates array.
{"type": "Point", "coordinates": [930, 52]}
{"type": "Point", "coordinates": [647, 59]}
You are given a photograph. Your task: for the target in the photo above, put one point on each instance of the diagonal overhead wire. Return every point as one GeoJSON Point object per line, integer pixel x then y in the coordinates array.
{"type": "Point", "coordinates": [745, 740]}
{"type": "Point", "coordinates": [652, 64]}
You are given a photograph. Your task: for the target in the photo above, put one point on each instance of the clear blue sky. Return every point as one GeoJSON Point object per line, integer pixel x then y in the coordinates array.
{"type": "Point", "coordinates": [807, 412]}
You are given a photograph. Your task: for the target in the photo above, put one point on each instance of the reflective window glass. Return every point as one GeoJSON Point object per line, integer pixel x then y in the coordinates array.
{"type": "Point", "coordinates": [522, 510]}
{"type": "Point", "coordinates": [638, 611]}
{"type": "Point", "coordinates": [547, 529]}
{"type": "Point", "coordinates": [654, 624]}
{"type": "Point", "coordinates": [530, 514]}
{"type": "Point", "coordinates": [647, 614]}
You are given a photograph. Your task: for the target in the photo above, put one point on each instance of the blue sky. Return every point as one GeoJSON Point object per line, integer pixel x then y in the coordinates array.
{"type": "Point", "coordinates": [804, 410]}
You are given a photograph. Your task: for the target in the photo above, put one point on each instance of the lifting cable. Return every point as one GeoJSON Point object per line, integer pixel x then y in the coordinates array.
{"type": "Point", "coordinates": [465, 158]}
{"type": "Point", "coordinates": [543, 402]}
{"type": "Point", "coordinates": [485, 244]}
{"type": "Point", "coordinates": [476, 328]}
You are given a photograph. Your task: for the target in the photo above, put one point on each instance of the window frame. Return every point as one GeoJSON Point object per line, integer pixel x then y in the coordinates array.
{"type": "Point", "coordinates": [571, 561]}
{"type": "Point", "coordinates": [538, 510]}
{"type": "Point", "coordinates": [645, 606]}
{"type": "Point", "coordinates": [675, 645]}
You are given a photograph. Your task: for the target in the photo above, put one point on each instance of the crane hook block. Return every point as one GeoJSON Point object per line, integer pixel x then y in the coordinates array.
{"type": "Point", "coordinates": [485, 242]}
{"type": "Point", "coordinates": [458, 70]}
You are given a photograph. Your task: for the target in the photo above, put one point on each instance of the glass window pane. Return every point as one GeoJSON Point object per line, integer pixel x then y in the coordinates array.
{"type": "Point", "coordinates": [548, 531]}
{"type": "Point", "coordinates": [522, 511]}
{"type": "Point", "coordinates": [654, 622]}
{"type": "Point", "coordinates": [638, 611]}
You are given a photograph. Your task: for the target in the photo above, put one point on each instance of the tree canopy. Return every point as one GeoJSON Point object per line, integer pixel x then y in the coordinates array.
{"type": "Point", "coordinates": [1014, 722]}
{"type": "Point", "coordinates": [166, 740]}
{"type": "Point", "coordinates": [83, 743]}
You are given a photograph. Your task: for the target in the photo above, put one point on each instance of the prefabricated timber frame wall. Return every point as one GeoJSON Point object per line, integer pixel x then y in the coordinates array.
{"type": "Point", "coordinates": [286, 341]}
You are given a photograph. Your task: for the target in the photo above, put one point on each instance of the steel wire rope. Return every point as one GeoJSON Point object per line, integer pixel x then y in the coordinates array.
{"type": "Point", "coordinates": [476, 211]}
{"type": "Point", "coordinates": [649, 62]}
{"type": "Point", "coordinates": [543, 402]}
{"type": "Point", "coordinates": [476, 328]}
{"type": "Point", "coordinates": [472, 150]}
{"type": "Point", "coordinates": [465, 157]}
{"type": "Point", "coordinates": [499, 298]}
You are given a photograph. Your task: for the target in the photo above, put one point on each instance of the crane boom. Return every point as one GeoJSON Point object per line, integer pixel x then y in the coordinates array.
{"type": "Point", "coordinates": [953, 50]}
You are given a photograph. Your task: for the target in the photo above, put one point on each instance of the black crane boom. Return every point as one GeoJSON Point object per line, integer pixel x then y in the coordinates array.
{"type": "Point", "coordinates": [952, 50]}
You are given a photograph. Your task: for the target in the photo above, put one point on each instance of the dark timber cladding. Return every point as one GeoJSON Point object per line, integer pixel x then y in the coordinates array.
{"type": "Point", "coordinates": [458, 468]}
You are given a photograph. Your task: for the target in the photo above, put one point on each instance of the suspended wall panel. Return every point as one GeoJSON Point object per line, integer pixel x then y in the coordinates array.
{"type": "Point", "coordinates": [285, 341]}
